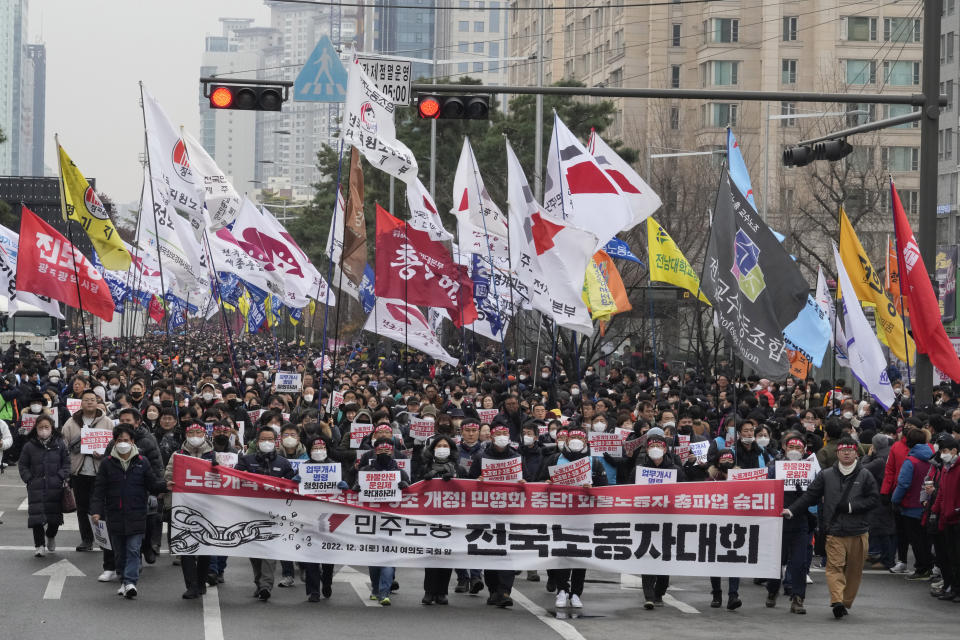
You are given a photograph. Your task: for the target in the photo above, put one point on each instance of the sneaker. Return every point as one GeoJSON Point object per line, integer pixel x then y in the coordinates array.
{"type": "Point", "coordinates": [286, 581]}
{"type": "Point", "coordinates": [385, 602]}
{"type": "Point", "coordinates": [313, 597]}
{"type": "Point", "coordinates": [85, 546]}
{"type": "Point", "coordinates": [533, 576]}
{"type": "Point", "coordinates": [839, 610]}
{"type": "Point", "coordinates": [51, 545]}
{"type": "Point", "coordinates": [796, 605]}
{"type": "Point", "coordinates": [562, 600]}
{"type": "Point", "coordinates": [658, 601]}
{"type": "Point", "coordinates": [919, 575]}
{"type": "Point", "coordinates": [809, 579]}
{"type": "Point", "coordinates": [440, 599]}
{"type": "Point", "coordinates": [107, 576]}
{"type": "Point", "coordinates": [734, 602]}
{"type": "Point", "coordinates": [505, 601]}
{"type": "Point", "coordinates": [463, 585]}
{"type": "Point", "coordinates": [575, 602]}
{"type": "Point", "coordinates": [648, 605]}
{"type": "Point", "coordinates": [121, 589]}
{"type": "Point", "coordinates": [374, 596]}
{"type": "Point", "coordinates": [476, 587]}
{"type": "Point", "coordinates": [190, 594]}
{"type": "Point", "coordinates": [900, 567]}
{"type": "Point", "coordinates": [39, 552]}
{"type": "Point", "coordinates": [394, 586]}
{"type": "Point", "coordinates": [130, 592]}
{"type": "Point", "coordinates": [771, 600]}
{"type": "Point", "coordinates": [717, 601]}
{"type": "Point", "coordinates": [427, 598]}
{"type": "Point", "coordinates": [263, 594]}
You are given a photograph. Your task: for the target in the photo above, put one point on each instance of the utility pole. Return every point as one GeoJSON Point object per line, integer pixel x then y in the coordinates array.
{"type": "Point", "coordinates": [538, 136]}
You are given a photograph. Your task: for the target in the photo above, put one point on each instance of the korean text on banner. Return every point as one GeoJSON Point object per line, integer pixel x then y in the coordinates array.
{"type": "Point", "coordinates": [700, 450]}
{"type": "Point", "coordinates": [487, 415]}
{"type": "Point", "coordinates": [601, 443]}
{"type": "Point", "coordinates": [359, 431]}
{"type": "Point", "coordinates": [100, 534]}
{"type": "Point", "coordinates": [94, 440]}
{"type": "Point", "coordinates": [421, 428]}
{"type": "Point", "coordinates": [797, 475]}
{"type": "Point", "coordinates": [653, 475]}
{"type": "Point", "coordinates": [288, 382]}
{"type": "Point", "coordinates": [319, 478]}
{"type": "Point", "coordinates": [686, 529]}
{"type": "Point", "coordinates": [747, 474]}
{"type": "Point", "coordinates": [508, 470]}
{"type": "Point", "coordinates": [380, 486]}
{"type": "Point", "coordinates": [575, 473]}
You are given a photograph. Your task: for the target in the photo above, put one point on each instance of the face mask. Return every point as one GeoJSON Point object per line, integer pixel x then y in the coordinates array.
{"type": "Point", "coordinates": [178, 389]}
{"type": "Point", "coordinates": [528, 440]}
{"type": "Point", "coordinates": [501, 441]}
{"type": "Point", "coordinates": [215, 376]}
{"type": "Point", "coordinates": [809, 426]}
{"type": "Point", "coordinates": [383, 458]}
{"type": "Point", "coordinates": [114, 387]}
{"type": "Point", "coordinates": [267, 446]}
{"type": "Point", "coordinates": [123, 448]}
{"type": "Point", "coordinates": [318, 455]}
{"type": "Point", "coordinates": [575, 391]}
{"type": "Point", "coordinates": [746, 439]}
{"type": "Point", "coordinates": [248, 381]}
{"type": "Point", "coordinates": [575, 445]}
{"type": "Point", "coordinates": [599, 427]}
{"type": "Point", "coordinates": [441, 453]}
{"type": "Point", "coordinates": [522, 378]}
{"type": "Point", "coordinates": [43, 434]}
{"type": "Point", "coordinates": [847, 415]}
{"type": "Point", "coordinates": [221, 441]}
{"type": "Point", "coordinates": [545, 376]}
{"type": "Point", "coordinates": [290, 442]}
{"type": "Point", "coordinates": [55, 379]}
{"type": "Point", "coordinates": [726, 466]}
{"type": "Point", "coordinates": [308, 397]}
{"type": "Point", "coordinates": [152, 415]}
{"type": "Point", "coordinates": [655, 454]}
{"type": "Point", "coordinates": [945, 458]}
{"type": "Point", "coordinates": [35, 408]}
{"type": "Point", "coordinates": [794, 455]}
{"type": "Point", "coordinates": [207, 397]}
{"type": "Point", "coordinates": [156, 399]}
{"type": "Point", "coordinates": [763, 441]}
{"type": "Point", "coordinates": [195, 441]}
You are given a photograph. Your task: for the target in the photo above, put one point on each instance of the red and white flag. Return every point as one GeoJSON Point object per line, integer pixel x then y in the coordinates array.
{"type": "Point", "coordinates": [404, 322]}
{"type": "Point", "coordinates": [928, 331]}
{"type": "Point", "coordinates": [423, 212]}
{"type": "Point", "coordinates": [642, 199]}
{"type": "Point", "coordinates": [579, 193]}
{"type": "Point", "coordinates": [481, 226]}
{"type": "Point", "coordinates": [49, 265]}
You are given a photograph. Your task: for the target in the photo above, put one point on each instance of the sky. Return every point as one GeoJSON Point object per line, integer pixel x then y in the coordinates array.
{"type": "Point", "coordinates": [98, 50]}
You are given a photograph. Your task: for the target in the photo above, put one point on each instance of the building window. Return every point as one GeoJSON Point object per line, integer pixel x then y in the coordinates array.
{"type": "Point", "coordinates": [493, 17]}
{"type": "Point", "coordinates": [719, 72]}
{"type": "Point", "coordinates": [901, 29]}
{"type": "Point", "coordinates": [788, 109]}
{"type": "Point", "coordinates": [790, 28]}
{"type": "Point", "coordinates": [463, 25]}
{"type": "Point", "coordinates": [901, 73]}
{"type": "Point", "coordinates": [675, 76]}
{"type": "Point", "coordinates": [675, 118]}
{"type": "Point", "coordinates": [860, 159]}
{"type": "Point", "coordinates": [676, 35]}
{"type": "Point", "coordinates": [860, 113]}
{"type": "Point", "coordinates": [861, 29]}
{"type": "Point", "coordinates": [478, 26]}
{"type": "Point", "coordinates": [900, 158]}
{"type": "Point", "coordinates": [478, 47]}
{"type": "Point", "coordinates": [720, 115]}
{"type": "Point", "coordinates": [494, 64]}
{"type": "Point", "coordinates": [951, 38]}
{"type": "Point", "coordinates": [478, 67]}
{"type": "Point", "coordinates": [861, 72]}
{"type": "Point", "coordinates": [462, 67]}
{"type": "Point", "coordinates": [616, 78]}
{"type": "Point", "coordinates": [721, 30]}
{"type": "Point", "coordinates": [788, 72]}
{"type": "Point", "coordinates": [462, 46]}
{"type": "Point", "coordinates": [618, 47]}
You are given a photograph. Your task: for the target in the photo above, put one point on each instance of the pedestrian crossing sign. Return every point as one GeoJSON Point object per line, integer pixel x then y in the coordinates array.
{"type": "Point", "coordinates": [323, 78]}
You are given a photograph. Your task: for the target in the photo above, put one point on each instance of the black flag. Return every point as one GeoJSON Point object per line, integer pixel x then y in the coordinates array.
{"type": "Point", "coordinates": [755, 288]}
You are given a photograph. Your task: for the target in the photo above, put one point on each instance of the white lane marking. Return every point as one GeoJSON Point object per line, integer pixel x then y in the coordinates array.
{"type": "Point", "coordinates": [566, 630]}
{"type": "Point", "coordinates": [360, 584]}
{"type": "Point", "coordinates": [212, 625]}
{"type": "Point", "coordinates": [58, 573]}
{"type": "Point", "coordinates": [23, 505]}
{"type": "Point", "coordinates": [682, 606]}
{"type": "Point", "coordinates": [631, 581]}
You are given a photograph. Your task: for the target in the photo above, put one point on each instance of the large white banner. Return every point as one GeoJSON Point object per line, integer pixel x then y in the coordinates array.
{"type": "Point", "coordinates": [397, 320]}
{"type": "Point", "coordinates": [691, 529]}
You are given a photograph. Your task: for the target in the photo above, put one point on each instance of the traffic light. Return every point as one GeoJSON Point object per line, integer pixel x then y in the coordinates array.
{"type": "Point", "coordinates": [245, 97]}
{"type": "Point", "coordinates": [831, 150]}
{"type": "Point", "coordinates": [797, 156]}
{"type": "Point", "coordinates": [453, 107]}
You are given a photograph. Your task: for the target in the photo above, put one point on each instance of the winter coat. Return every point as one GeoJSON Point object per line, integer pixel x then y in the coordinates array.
{"type": "Point", "coordinates": [266, 464]}
{"type": "Point", "coordinates": [827, 488]}
{"type": "Point", "coordinates": [71, 436]}
{"type": "Point", "coordinates": [120, 495]}
{"type": "Point", "coordinates": [947, 503]}
{"type": "Point", "coordinates": [880, 517]}
{"type": "Point", "coordinates": [432, 468]}
{"type": "Point", "coordinates": [666, 463]}
{"type": "Point", "coordinates": [898, 453]}
{"type": "Point", "coordinates": [910, 481]}
{"type": "Point", "coordinates": [168, 442]}
{"type": "Point", "coordinates": [44, 467]}
{"type": "Point", "coordinates": [204, 451]}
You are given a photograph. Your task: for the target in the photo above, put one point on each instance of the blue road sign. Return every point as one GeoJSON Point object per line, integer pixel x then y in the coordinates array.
{"type": "Point", "coordinates": [323, 78]}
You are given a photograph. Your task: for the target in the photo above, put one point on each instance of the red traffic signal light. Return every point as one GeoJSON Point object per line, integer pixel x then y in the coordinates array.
{"type": "Point", "coordinates": [454, 107]}
{"type": "Point", "coordinates": [246, 98]}
{"type": "Point", "coordinates": [221, 98]}
{"type": "Point", "coordinates": [429, 107]}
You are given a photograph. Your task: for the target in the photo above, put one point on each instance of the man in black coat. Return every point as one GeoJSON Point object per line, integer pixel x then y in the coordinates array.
{"type": "Point", "coordinates": [124, 482]}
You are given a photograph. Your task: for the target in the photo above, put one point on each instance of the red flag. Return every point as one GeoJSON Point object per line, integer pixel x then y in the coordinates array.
{"type": "Point", "coordinates": [418, 270]}
{"type": "Point", "coordinates": [893, 278]}
{"type": "Point", "coordinates": [928, 332]}
{"type": "Point", "coordinates": [48, 265]}
{"type": "Point", "coordinates": [156, 310]}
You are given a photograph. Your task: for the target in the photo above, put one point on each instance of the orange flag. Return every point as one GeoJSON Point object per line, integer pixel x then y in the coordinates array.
{"type": "Point", "coordinates": [893, 279]}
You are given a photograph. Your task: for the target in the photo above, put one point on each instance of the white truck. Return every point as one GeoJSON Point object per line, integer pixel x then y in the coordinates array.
{"type": "Point", "coordinates": [30, 324]}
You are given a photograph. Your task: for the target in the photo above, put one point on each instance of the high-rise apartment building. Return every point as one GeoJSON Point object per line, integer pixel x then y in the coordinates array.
{"type": "Point", "coordinates": [19, 86]}
{"type": "Point", "coordinates": [948, 153]}
{"type": "Point", "coordinates": [403, 32]}
{"type": "Point", "coordinates": [473, 36]}
{"type": "Point", "coordinates": [37, 54]}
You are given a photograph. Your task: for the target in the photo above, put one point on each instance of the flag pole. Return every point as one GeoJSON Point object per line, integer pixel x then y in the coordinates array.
{"type": "Point", "coordinates": [73, 254]}
{"type": "Point", "coordinates": [212, 271]}
{"type": "Point", "coordinates": [156, 229]}
{"type": "Point", "coordinates": [333, 243]}
{"type": "Point", "coordinates": [903, 303]}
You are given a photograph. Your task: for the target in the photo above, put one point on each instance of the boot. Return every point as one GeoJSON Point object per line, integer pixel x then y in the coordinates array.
{"type": "Point", "coordinates": [796, 605]}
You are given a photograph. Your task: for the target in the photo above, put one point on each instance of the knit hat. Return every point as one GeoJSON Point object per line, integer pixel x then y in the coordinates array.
{"type": "Point", "coordinates": [881, 444]}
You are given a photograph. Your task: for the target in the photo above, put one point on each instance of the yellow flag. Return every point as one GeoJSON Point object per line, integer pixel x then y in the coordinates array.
{"type": "Point", "coordinates": [667, 263]}
{"type": "Point", "coordinates": [596, 290]}
{"type": "Point", "coordinates": [869, 289]}
{"type": "Point", "coordinates": [80, 203]}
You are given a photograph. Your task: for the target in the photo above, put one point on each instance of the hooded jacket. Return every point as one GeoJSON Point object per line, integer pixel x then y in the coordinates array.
{"type": "Point", "coordinates": [44, 467]}
{"type": "Point", "coordinates": [827, 488]}
{"type": "Point", "coordinates": [121, 490]}
{"type": "Point", "coordinates": [910, 481]}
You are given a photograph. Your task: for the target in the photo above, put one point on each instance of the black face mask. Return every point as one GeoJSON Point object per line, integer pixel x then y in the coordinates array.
{"type": "Point", "coordinates": [136, 395]}
{"type": "Point", "coordinates": [221, 441]}
{"type": "Point", "coordinates": [686, 429]}
{"type": "Point", "coordinates": [383, 459]}
{"type": "Point", "coordinates": [232, 403]}
{"type": "Point", "coordinates": [166, 403]}
{"type": "Point", "coordinates": [311, 428]}
{"type": "Point", "coordinates": [726, 466]}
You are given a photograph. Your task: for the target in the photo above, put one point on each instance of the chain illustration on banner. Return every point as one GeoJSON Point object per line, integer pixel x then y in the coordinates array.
{"type": "Point", "coordinates": [194, 529]}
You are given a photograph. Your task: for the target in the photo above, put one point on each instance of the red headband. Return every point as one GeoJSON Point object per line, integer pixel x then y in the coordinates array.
{"type": "Point", "coordinates": [796, 442]}
{"type": "Point", "coordinates": [843, 447]}
{"type": "Point", "coordinates": [499, 428]}
{"type": "Point", "coordinates": [384, 446]}
{"type": "Point", "coordinates": [576, 433]}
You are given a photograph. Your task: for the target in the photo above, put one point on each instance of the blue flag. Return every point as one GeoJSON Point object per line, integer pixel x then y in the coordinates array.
{"type": "Point", "coordinates": [617, 248]}
{"type": "Point", "coordinates": [367, 298]}
{"type": "Point", "coordinates": [177, 310]}
{"type": "Point", "coordinates": [486, 304]}
{"type": "Point", "coordinates": [230, 288]}
{"type": "Point", "coordinates": [738, 169]}
{"type": "Point", "coordinates": [258, 313]}
{"type": "Point", "coordinates": [118, 288]}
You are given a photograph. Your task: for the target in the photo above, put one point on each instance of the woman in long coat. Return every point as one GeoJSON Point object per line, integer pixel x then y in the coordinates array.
{"type": "Point", "coordinates": [44, 467]}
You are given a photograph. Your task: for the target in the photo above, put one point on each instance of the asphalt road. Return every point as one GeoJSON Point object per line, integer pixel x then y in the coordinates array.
{"type": "Point", "coordinates": [85, 608]}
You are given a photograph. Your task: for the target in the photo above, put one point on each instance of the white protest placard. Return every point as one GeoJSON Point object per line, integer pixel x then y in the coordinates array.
{"type": "Point", "coordinates": [623, 433]}
{"type": "Point", "coordinates": [391, 76]}
{"type": "Point", "coordinates": [487, 415]}
{"type": "Point", "coordinates": [94, 440]}
{"type": "Point", "coordinates": [403, 464]}
{"type": "Point", "coordinates": [335, 400]}
{"type": "Point", "coordinates": [575, 473]}
{"type": "Point", "coordinates": [288, 382]}
{"type": "Point", "coordinates": [27, 420]}
{"type": "Point", "coordinates": [509, 470]}
{"type": "Point", "coordinates": [100, 534]}
{"type": "Point", "coordinates": [652, 475]}
{"type": "Point", "coordinates": [629, 446]}
{"type": "Point", "coordinates": [682, 450]}
{"type": "Point", "coordinates": [73, 405]}
{"type": "Point", "coordinates": [359, 431]}
{"type": "Point", "coordinates": [542, 429]}
{"type": "Point", "coordinates": [601, 443]}
{"type": "Point", "coordinates": [797, 475]}
{"type": "Point", "coordinates": [747, 474]}
{"type": "Point", "coordinates": [319, 478]}
{"type": "Point", "coordinates": [325, 361]}
{"type": "Point", "coordinates": [700, 450]}
{"type": "Point", "coordinates": [227, 459]}
{"type": "Point", "coordinates": [285, 416]}
{"type": "Point", "coordinates": [380, 486]}
{"type": "Point", "coordinates": [421, 428]}
{"type": "Point", "coordinates": [254, 415]}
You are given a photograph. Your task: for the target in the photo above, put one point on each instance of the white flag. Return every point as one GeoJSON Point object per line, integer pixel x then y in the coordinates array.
{"type": "Point", "coordinates": [550, 259]}
{"type": "Point", "coordinates": [397, 320]}
{"type": "Point", "coordinates": [368, 126]}
{"type": "Point", "coordinates": [220, 197]}
{"type": "Point", "coordinates": [229, 255]}
{"type": "Point", "coordinates": [863, 348]}
{"type": "Point", "coordinates": [642, 199]}
{"type": "Point", "coordinates": [825, 302]}
{"type": "Point", "coordinates": [577, 192]}
{"type": "Point", "coordinates": [307, 281]}
{"type": "Point", "coordinates": [481, 225]}
{"type": "Point", "coordinates": [144, 270]}
{"type": "Point", "coordinates": [423, 212]}
{"type": "Point", "coordinates": [9, 246]}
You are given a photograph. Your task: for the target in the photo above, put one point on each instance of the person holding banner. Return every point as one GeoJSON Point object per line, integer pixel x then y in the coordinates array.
{"type": "Point", "coordinates": [194, 568]}
{"type": "Point", "coordinates": [319, 577]}
{"type": "Point", "coordinates": [721, 464]}
{"type": "Point", "coordinates": [44, 467]}
{"type": "Point", "coordinates": [847, 493]}
{"type": "Point", "coordinates": [468, 579]}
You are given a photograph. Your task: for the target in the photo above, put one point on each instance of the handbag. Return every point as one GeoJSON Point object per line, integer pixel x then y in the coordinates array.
{"type": "Point", "coordinates": [68, 502]}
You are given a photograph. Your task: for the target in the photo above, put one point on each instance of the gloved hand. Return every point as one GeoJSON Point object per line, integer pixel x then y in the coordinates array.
{"type": "Point", "coordinates": [403, 485]}
{"type": "Point", "coordinates": [885, 499]}
{"type": "Point", "coordinates": [342, 485]}
{"type": "Point", "coordinates": [447, 476]}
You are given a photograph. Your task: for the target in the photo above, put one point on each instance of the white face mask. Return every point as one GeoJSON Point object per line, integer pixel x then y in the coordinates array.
{"type": "Point", "coordinates": [248, 381]}
{"type": "Point", "coordinates": [746, 439]}
{"type": "Point", "coordinates": [763, 441]}
{"type": "Point", "coordinates": [794, 455]}
{"type": "Point", "coordinates": [655, 453]}
{"type": "Point", "coordinates": [35, 408]}
{"type": "Point", "coordinates": [847, 415]}
{"type": "Point", "coordinates": [575, 391]}
{"type": "Point", "coordinates": [195, 441]}
{"type": "Point", "coordinates": [267, 446]}
{"type": "Point", "coordinates": [501, 441]}
{"type": "Point", "coordinates": [290, 442]}
{"type": "Point", "coordinates": [528, 440]}
{"type": "Point", "coordinates": [308, 397]}
{"type": "Point", "coordinates": [575, 445]}
{"type": "Point", "coordinates": [54, 380]}
{"type": "Point", "coordinates": [153, 415]}
{"type": "Point", "coordinates": [599, 426]}
{"type": "Point", "coordinates": [43, 434]}
{"type": "Point", "coordinates": [318, 455]}
{"type": "Point", "coordinates": [946, 458]}
{"type": "Point", "coordinates": [207, 397]}
{"type": "Point", "coordinates": [668, 424]}
{"type": "Point", "coordinates": [156, 399]}
{"type": "Point", "coordinates": [441, 453]}
{"type": "Point", "coordinates": [215, 376]}
{"type": "Point", "coordinates": [123, 448]}
{"type": "Point", "coordinates": [114, 387]}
